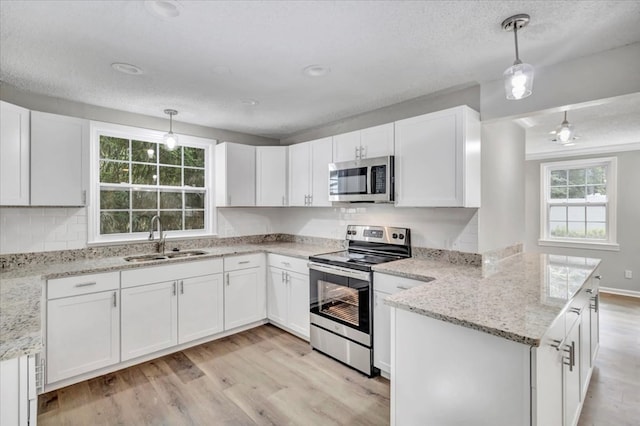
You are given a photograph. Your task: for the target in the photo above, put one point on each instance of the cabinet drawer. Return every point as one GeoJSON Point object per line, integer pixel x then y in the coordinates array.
{"type": "Point", "coordinates": [244, 261]}
{"type": "Point", "coordinates": [82, 284]}
{"type": "Point", "coordinates": [391, 284]}
{"type": "Point", "coordinates": [290, 263]}
{"type": "Point", "coordinates": [171, 272]}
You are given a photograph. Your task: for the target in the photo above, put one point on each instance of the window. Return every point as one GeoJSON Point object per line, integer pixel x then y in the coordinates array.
{"type": "Point", "coordinates": [578, 203]}
{"type": "Point", "coordinates": [134, 177]}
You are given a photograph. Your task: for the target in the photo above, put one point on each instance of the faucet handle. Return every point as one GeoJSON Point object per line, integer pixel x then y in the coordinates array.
{"type": "Point", "coordinates": [151, 236]}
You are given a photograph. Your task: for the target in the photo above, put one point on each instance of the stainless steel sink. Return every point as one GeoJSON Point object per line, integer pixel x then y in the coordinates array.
{"type": "Point", "coordinates": [170, 255]}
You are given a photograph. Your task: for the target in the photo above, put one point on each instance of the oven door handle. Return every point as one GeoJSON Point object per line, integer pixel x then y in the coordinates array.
{"type": "Point", "coordinates": [343, 272]}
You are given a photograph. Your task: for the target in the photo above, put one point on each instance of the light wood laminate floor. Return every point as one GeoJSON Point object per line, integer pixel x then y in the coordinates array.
{"type": "Point", "coordinates": [268, 377]}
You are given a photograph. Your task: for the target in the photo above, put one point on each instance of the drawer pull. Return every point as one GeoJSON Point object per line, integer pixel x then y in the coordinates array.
{"type": "Point", "coordinates": [402, 287]}
{"type": "Point", "coordinates": [589, 290]}
{"type": "Point", "coordinates": [85, 284]}
{"type": "Point", "coordinates": [576, 311]}
{"type": "Point", "coordinates": [598, 277]}
{"type": "Point", "coordinates": [286, 263]}
{"type": "Point", "coordinates": [115, 300]}
{"type": "Point", "coordinates": [244, 262]}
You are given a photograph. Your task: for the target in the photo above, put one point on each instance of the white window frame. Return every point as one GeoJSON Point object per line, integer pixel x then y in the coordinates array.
{"type": "Point", "coordinates": [128, 132]}
{"type": "Point", "coordinates": [612, 175]}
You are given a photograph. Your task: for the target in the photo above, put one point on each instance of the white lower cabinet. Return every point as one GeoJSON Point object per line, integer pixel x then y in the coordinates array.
{"type": "Point", "coordinates": [149, 319]}
{"type": "Point", "coordinates": [383, 287]}
{"type": "Point", "coordinates": [200, 307]}
{"type": "Point", "coordinates": [83, 325]}
{"type": "Point", "coordinates": [18, 391]}
{"type": "Point", "coordinates": [244, 290]}
{"type": "Point", "coordinates": [288, 294]}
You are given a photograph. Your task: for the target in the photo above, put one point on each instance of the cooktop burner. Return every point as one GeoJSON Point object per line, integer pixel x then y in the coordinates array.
{"type": "Point", "coordinates": [369, 246]}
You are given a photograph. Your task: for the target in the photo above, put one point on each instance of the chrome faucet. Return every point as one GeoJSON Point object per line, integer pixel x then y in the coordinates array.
{"type": "Point", "coordinates": [161, 237]}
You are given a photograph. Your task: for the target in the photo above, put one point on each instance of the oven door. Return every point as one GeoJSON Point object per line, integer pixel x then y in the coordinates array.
{"type": "Point", "coordinates": [342, 296]}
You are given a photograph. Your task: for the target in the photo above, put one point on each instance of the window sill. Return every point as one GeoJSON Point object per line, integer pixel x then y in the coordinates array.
{"type": "Point", "coordinates": [145, 239]}
{"type": "Point", "coordinates": [580, 245]}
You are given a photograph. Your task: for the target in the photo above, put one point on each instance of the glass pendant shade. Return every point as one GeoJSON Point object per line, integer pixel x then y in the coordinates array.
{"type": "Point", "coordinates": [565, 133]}
{"type": "Point", "coordinates": [170, 140]}
{"type": "Point", "coordinates": [518, 81]}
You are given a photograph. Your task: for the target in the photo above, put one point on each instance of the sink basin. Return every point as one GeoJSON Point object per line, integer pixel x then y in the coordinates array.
{"type": "Point", "coordinates": [170, 255]}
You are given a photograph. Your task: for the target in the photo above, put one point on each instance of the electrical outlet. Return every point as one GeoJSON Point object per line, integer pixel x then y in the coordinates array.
{"type": "Point", "coordinates": [628, 274]}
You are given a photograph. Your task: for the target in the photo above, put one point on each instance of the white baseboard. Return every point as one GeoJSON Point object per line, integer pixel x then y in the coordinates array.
{"type": "Point", "coordinates": [620, 292]}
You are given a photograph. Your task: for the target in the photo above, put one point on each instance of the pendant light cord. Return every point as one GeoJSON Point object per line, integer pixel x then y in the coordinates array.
{"type": "Point", "coordinates": [515, 36]}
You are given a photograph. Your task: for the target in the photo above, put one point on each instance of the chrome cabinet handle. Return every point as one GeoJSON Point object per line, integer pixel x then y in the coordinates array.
{"type": "Point", "coordinates": [282, 276]}
{"type": "Point", "coordinates": [576, 311]}
{"type": "Point", "coordinates": [402, 287]}
{"type": "Point", "coordinates": [286, 274]}
{"type": "Point", "coordinates": [363, 152]}
{"type": "Point", "coordinates": [85, 284]}
{"type": "Point", "coordinates": [115, 300]}
{"type": "Point", "coordinates": [174, 288]}
{"type": "Point", "coordinates": [596, 303]}
{"type": "Point", "coordinates": [589, 290]}
{"type": "Point", "coordinates": [181, 286]}
{"type": "Point", "coordinates": [598, 277]}
{"type": "Point", "coordinates": [286, 263]}
{"type": "Point", "coordinates": [356, 150]}
{"type": "Point", "coordinates": [244, 262]}
{"type": "Point", "coordinates": [571, 350]}
{"type": "Point", "coordinates": [227, 280]}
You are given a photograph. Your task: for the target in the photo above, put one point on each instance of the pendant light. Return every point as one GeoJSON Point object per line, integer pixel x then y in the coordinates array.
{"type": "Point", "coordinates": [518, 78]}
{"type": "Point", "coordinates": [170, 139]}
{"type": "Point", "coordinates": [565, 133]}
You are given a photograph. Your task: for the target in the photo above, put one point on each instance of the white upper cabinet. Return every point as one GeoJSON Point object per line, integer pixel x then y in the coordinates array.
{"type": "Point", "coordinates": [437, 159]}
{"type": "Point", "coordinates": [299, 176]}
{"type": "Point", "coordinates": [372, 142]}
{"type": "Point", "coordinates": [321, 155]}
{"type": "Point", "coordinates": [309, 173]}
{"type": "Point", "coordinates": [235, 170]}
{"type": "Point", "coordinates": [59, 151]}
{"type": "Point", "coordinates": [271, 176]}
{"type": "Point", "coordinates": [14, 155]}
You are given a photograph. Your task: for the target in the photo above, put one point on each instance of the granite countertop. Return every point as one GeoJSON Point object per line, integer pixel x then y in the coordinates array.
{"type": "Point", "coordinates": [21, 288]}
{"type": "Point", "coordinates": [518, 300]}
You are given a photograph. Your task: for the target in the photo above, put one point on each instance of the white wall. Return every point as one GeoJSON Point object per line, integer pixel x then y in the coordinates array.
{"type": "Point", "coordinates": [35, 229]}
{"type": "Point", "coordinates": [614, 262]}
{"type": "Point", "coordinates": [442, 228]}
{"type": "Point", "coordinates": [501, 215]}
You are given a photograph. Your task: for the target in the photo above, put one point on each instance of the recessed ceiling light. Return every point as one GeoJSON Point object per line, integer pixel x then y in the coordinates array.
{"type": "Point", "coordinates": [249, 102]}
{"type": "Point", "coordinates": [165, 9]}
{"type": "Point", "coordinates": [316, 71]}
{"type": "Point", "coordinates": [127, 68]}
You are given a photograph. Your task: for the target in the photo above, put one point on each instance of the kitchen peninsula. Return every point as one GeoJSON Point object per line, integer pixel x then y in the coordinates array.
{"type": "Point", "coordinates": [515, 347]}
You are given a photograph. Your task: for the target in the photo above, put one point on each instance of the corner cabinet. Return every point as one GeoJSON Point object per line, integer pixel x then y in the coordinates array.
{"type": "Point", "coordinates": [59, 160]}
{"type": "Point", "coordinates": [14, 155]}
{"type": "Point", "coordinates": [271, 176]}
{"type": "Point", "coordinates": [309, 173]}
{"type": "Point", "coordinates": [437, 159]}
{"type": "Point", "coordinates": [235, 175]}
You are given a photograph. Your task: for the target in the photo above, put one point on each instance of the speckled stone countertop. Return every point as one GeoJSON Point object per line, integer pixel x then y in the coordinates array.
{"type": "Point", "coordinates": [21, 288]}
{"type": "Point", "coordinates": [519, 300]}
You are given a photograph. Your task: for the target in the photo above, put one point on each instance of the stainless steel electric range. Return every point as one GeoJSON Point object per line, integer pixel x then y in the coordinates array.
{"type": "Point", "coordinates": [341, 290]}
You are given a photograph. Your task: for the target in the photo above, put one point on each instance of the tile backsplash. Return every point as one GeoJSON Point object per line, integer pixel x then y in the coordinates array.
{"type": "Point", "coordinates": [36, 229]}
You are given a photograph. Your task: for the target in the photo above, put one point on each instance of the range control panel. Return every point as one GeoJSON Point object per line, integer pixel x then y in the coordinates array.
{"type": "Point", "coordinates": [378, 234]}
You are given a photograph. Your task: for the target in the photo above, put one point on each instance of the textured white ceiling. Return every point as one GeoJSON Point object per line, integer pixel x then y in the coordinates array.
{"type": "Point", "coordinates": [379, 52]}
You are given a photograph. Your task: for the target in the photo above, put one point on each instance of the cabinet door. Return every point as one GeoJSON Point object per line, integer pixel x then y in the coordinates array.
{"type": "Point", "coordinates": [381, 332]}
{"type": "Point", "coordinates": [59, 145]}
{"type": "Point", "coordinates": [585, 348]}
{"type": "Point", "coordinates": [595, 325]}
{"type": "Point", "coordinates": [546, 376]}
{"type": "Point", "coordinates": [377, 141]}
{"type": "Point", "coordinates": [200, 307]}
{"type": "Point", "coordinates": [428, 161]}
{"type": "Point", "coordinates": [346, 147]}
{"type": "Point", "coordinates": [244, 297]}
{"type": "Point", "coordinates": [299, 174]}
{"type": "Point", "coordinates": [149, 319]}
{"type": "Point", "coordinates": [277, 295]}
{"type": "Point", "coordinates": [321, 154]}
{"type": "Point", "coordinates": [83, 334]}
{"type": "Point", "coordinates": [14, 155]}
{"type": "Point", "coordinates": [571, 377]}
{"type": "Point", "coordinates": [235, 174]}
{"type": "Point", "coordinates": [298, 304]}
{"type": "Point", "coordinates": [271, 175]}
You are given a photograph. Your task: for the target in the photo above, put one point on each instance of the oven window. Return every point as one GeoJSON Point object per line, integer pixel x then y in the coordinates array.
{"type": "Point", "coordinates": [348, 181]}
{"type": "Point", "coordinates": [339, 302]}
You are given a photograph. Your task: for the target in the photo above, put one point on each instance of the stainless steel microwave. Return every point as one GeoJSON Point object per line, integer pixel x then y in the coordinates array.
{"type": "Point", "coordinates": [369, 180]}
